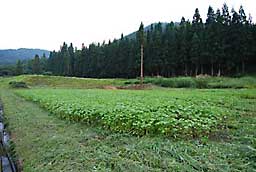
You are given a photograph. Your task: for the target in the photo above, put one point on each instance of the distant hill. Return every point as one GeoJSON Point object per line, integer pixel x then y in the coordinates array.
{"type": "Point", "coordinates": [10, 56]}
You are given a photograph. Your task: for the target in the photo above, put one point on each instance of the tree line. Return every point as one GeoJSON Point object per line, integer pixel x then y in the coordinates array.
{"type": "Point", "coordinates": [222, 45]}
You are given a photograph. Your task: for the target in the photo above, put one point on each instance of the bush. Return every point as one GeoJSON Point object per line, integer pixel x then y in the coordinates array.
{"type": "Point", "coordinates": [167, 83]}
{"type": "Point", "coordinates": [15, 84]}
{"type": "Point", "coordinates": [236, 83]}
{"type": "Point", "coordinates": [163, 82]}
{"type": "Point", "coordinates": [47, 73]}
{"type": "Point", "coordinates": [185, 83]}
{"type": "Point", "coordinates": [181, 82]}
{"type": "Point", "coordinates": [201, 83]}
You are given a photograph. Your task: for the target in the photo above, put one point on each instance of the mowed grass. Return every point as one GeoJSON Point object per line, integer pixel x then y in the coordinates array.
{"type": "Point", "coordinates": [44, 81]}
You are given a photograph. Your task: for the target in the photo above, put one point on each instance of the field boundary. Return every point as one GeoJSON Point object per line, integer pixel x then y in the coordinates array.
{"type": "Point", "coordinates": [7, 163]}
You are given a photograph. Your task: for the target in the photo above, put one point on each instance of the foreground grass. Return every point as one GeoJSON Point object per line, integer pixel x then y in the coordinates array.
{"type": "Point", "coordinates": [46, 143]}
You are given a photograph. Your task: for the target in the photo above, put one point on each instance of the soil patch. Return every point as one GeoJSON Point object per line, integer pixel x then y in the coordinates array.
{"type": "Point", "coordinates": [129, 87]}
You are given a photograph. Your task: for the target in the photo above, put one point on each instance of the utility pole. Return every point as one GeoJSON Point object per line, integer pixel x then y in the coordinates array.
{"type": "Point", "coordinates": [141, 40]}
{"type": "Point", "coordinates": [141, 64]}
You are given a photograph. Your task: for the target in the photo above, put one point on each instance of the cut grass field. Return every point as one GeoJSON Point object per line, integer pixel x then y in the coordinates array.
{"type": "Point", "coordinates": [45, 142]}
{"type": "Point", "coordinates": [44, 81]}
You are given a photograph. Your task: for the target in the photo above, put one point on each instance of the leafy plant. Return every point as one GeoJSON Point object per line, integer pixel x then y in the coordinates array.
{"type": "Point", "coordinates": [15, 84]}
{"type": "Point", "coordinates": [136, 112]}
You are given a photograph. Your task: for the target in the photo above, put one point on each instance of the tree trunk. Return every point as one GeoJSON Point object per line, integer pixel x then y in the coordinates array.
{"type": "Point", "coordinates": [186, 69]}
{"type": "Point", "coordinates": [173, 73]}
{"type": "Point", "coordinates": [243, 67]}
{"type": "Point", "coordinates": [219, 71]}
{"type": "Point", "coordinates": [202, 69]}
{"type": "Point", "coordinates": [212, 72]}
{"type": "Point", "coordinates": [196, 70]}
{"type": "Point", "coordinates": [141, 64]}
{"type": "Point", "coordinates": [237, 68]}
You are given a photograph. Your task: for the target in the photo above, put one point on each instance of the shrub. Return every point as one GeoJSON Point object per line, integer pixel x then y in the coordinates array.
{"type": "Point", "coordinates": [167, 83]}
{"type": "Point", "coordinates": [201, 83]}
{"type": "Point", "coordinates": [15, 84]}
{"type": "Point", "coordinates": [47, 73]}
{"type": "Point", "coordinates": [185, 83]}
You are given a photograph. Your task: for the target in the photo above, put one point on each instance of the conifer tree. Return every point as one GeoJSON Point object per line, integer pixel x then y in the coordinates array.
{"type": "Point", "coordinates": [36, 69]}
{"type": "Point", "coordinates": [19, 68]}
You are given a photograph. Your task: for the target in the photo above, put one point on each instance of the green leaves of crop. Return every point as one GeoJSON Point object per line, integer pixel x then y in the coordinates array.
{"type": "Point", "coordinates": [136, 112]}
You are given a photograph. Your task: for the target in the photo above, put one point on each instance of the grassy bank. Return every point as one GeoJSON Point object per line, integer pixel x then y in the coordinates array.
{"type": "Point", "coordinates": [40, 81]}
{"type": "Point", "coordinates": [201, 82]}
{"type": "Point", "coordinates": [44, 81]}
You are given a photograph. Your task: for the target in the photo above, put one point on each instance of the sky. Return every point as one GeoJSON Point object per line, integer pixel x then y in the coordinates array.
{"type": "Point", "coordinates": [46, 24]}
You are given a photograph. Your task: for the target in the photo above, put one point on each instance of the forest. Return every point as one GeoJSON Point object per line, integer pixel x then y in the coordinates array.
{"type": "Point", "coordinates": [223, 45]}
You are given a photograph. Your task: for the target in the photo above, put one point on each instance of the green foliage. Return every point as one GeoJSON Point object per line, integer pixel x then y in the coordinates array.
{"type": "Point", "coordinates": [185, 83]}
{"type": "Point", "coordinates": [47, 73]}
{"type": "Point", "coordinates": [36, 68]}
{"type": "Point", "coordinates": [179, 82]}
{"type": "Point", "coordinates": [243, 82]}
{"type": "Point", "coordinates": [200, 82]}
{"type": "Point", "coordinates": [136, 112]}
{"type": "Point", "coordinates": [19, 68]}
{"type": "Point", "coordinates": [141, 34]}
{"type": "Point", "coordinates": [163, 82]}
{"type": "Point", "coordinates": [7, 70]}
{"type": "Point", "coordinates": [15, 84]}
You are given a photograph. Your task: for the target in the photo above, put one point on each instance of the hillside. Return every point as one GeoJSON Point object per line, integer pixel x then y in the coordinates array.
{"type": "Point", "coordinates": [10, 56]}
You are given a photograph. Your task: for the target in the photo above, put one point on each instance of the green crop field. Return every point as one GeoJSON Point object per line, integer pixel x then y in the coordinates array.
{"type": "Point", "coordinates": [170, 112]}
{"type": "Point", "coordinates": [69, 124]}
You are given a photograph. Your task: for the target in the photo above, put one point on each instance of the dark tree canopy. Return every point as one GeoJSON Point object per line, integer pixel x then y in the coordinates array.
{"type": "Point", "coordinates": [223, 45]}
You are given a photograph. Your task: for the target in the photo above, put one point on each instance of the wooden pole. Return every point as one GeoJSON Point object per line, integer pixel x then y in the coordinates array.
{"type": "Point", "coordinates": [141, 64]}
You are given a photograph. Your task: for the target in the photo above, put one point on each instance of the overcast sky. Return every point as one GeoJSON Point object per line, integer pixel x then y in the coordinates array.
{"type": "Point", "coordinates": [48, 23]}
